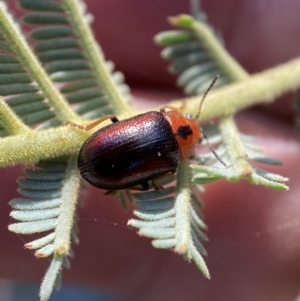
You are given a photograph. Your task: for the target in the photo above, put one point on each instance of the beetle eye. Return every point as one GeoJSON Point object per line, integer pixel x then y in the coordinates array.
{"type": "Point", "coordinates": [189, 116]}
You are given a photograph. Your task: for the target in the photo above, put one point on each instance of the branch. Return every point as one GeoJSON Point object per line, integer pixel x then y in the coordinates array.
{"type": "Point", "coordinates": [10, 121]}
{"type": "Point", "coordinates": [260, 88]}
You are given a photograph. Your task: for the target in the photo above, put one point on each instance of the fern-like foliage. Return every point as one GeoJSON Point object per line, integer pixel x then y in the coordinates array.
{"type": "Point", "coordinates": [210, 169]}
{"type": "Point", "coordinates": [34, 113]}
{"type": "Point", "coordinates": [45, 192]}
{"type": "Point", "coordinates": [50, 193]}
{"type": "Point", "coordinates": [191, 60]}
{"type": "Point", "coordinates": [17, 83]}
{"type": "Point", "coordinates": [62, 52]}
{"type": "Point", "coordinates": [49, 190]}
{"type": "Point", "coordinates": [197, 55]}
{"type": "Point", "coordinates": [171, 218]}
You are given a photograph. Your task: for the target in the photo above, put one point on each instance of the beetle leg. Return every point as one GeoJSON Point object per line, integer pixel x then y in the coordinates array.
{"type": "Point", "coordinates": [212, 150]}
{"type": "Point", "coordinates": [144, 188]}
{"type": "Point", "coordinates": [109, 192]}
{"type": "Point", "coordinates": [155, 186]}
{"type": "Point", "coordinates": [159, 187]}
{"type": "Point", "coordinates": [91, 125]}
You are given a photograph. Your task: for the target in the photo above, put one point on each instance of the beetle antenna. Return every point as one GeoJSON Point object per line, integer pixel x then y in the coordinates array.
{"type": "Point", "coordinates": [206, 92]}
{"type": "Point", "coordinates": [213, 151]}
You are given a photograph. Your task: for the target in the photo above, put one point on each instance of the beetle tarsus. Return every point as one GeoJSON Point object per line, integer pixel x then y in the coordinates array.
{"type": "Point", "coordinates": [75, 125]}
{"type": "Point", "coordinates": [145, 187]}
{"type": "Point", "coordinates": [159, 187]}
{"type": "Point", "coordinates": [110, 192]}
{"type": "Point", "coordinates": [155, 186]}
{"type": "Point", "coordinates": [91, 125]}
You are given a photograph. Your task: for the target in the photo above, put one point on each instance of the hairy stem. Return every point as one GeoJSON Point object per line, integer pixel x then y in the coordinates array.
{"type": "Point", "coordinates": [67, 210]}
{"type": "Point", "coordinates": [220, 55]}
{"type": "Point", "coordinates": [33, 146]}
{"type": "Point", "coordinates": [235, 150]}
{"type": "Point", "coordinates": [182, 208]}
{"type": "Point", "coordinates": [262, 88]}
{"type": "Point", "coordinates": [10, 121]}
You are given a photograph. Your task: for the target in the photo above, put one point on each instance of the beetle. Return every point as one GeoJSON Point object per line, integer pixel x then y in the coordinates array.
{"type": "Point", "coordinates": [139, 149]}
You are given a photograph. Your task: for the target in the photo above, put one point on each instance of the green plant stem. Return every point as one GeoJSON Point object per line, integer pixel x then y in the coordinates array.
{"type": "Point", "coordinates": [184, 242]}
{"type": "Point", "coordinates": [30, 147]}
{"type": "Point", "coordinates": [182, 208]}
{"type": "Point", "coordinates": [235, 72]}
{"type": "Point", "coordinates": [220, 55]}
{"type": "Point", "coordinates": [33, 66]}
{"type": "Point", "coordinates": [96, 58]}
{"type": "Point", "coordinates": [67, 209]}
{"type": "Point", "coordinates": [262, 88]}
{"type": "Point", "coordinates": [10, 121]}
{"type": "Point", "coordinates": [236, 153]}
{"type": "Point", "coordinates": [231, 139]}
{"type": "Point", "coordinates": [50, 278]}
